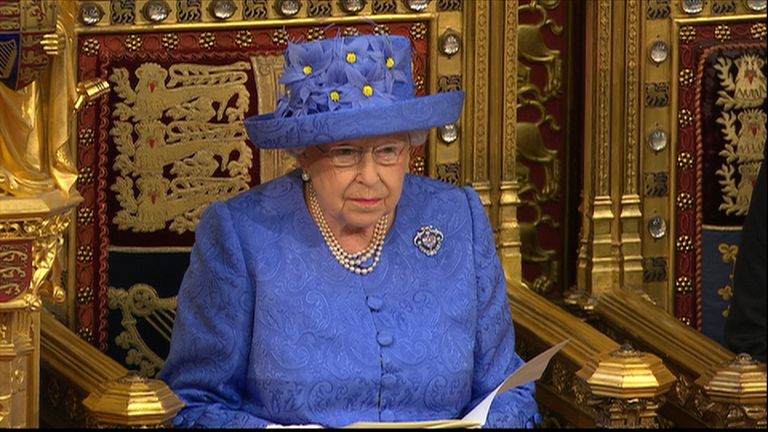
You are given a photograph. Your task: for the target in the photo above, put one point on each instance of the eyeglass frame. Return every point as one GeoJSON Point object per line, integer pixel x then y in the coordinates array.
{"type": "Point", "coordinates": [359, 152]}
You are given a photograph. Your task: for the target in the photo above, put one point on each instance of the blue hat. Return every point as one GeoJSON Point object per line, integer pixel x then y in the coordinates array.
{"type": "Point", "coordinates": [347, 88]}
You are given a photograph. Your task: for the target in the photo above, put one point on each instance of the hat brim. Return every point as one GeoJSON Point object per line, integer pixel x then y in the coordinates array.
{"type": "Point", "coordinates": [417, 113]}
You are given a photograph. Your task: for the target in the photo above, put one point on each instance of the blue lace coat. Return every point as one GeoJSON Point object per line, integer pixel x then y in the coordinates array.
{"type": "Point", "coordinates": [271, 329]}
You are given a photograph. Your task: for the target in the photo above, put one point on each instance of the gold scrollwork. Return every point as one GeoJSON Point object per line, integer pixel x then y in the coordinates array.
{"type": "Point", "coordinates": [533, 48]}
{"type": "Point", "coordinates": [141, 301]}
{"type": "Point", "coordinates": [531, 151]}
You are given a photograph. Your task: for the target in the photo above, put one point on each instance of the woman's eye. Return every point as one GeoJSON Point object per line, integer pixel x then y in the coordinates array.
{"type": "Point", "coordinates": [343, 151]}
{"type": "Point", "coordinates": [387, 150]}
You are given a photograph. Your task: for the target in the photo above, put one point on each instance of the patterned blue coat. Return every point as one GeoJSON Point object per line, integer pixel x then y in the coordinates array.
{"type": "Point", "coordinates": [271, 329]}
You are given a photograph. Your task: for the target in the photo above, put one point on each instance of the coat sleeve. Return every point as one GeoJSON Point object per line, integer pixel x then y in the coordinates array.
{"type": "Point", "coordinates": [209, 351]}
{"type": "Point", "coordinates": [495, 356]}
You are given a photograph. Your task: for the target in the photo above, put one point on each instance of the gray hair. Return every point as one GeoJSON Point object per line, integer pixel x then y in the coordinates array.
{"type": "Point", "coordinates": [415, 138]}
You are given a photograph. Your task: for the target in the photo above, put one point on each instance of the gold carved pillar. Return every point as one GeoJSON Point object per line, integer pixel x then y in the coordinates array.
{"type": "Point", "coordinates": [30, 239]}
{"type": "Point", "coordinates": [502, 134]}
{"type": "Point", "coordinates": [610, 203]}
{"type": "Point", "coordinates": [476, 103]}
{"type": "Point", "coordinates": [630, 216]}
{"type": "Point", "coordinates": [625, 388]}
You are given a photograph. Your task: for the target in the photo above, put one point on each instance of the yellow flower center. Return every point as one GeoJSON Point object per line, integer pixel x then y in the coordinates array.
{"type": "Point", "coordinates": [351, 57]}
{"type": "Point", "coordinates": [307, 70]}
{"type": "Point", "coordinates": [367, 90]}
{"type": "Point", "coordinates": [335, 96]}
{"type": "Point", "coordinates": [390, 62]}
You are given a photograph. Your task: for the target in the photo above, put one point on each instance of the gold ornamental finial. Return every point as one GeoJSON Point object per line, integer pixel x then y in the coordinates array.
{"type": "Point", "coordinates": [627, 374]}
{"type": "Point", "coordinates": [741, 381]}
{"type": "Point", "coordinates": [133, 400]}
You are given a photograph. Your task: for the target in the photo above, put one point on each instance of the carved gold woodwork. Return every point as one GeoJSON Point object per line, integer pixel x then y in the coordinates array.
{"type": "Point", "coordinates": [540, 324]}
{"type": "Point", "coordinates": [30, 240]}
{"type": "Point", "coordinates": [133, 400]}
{"type": "Point", "coordinates": [737, 391]}
{"type": "Point", "coordinates": [531, 148]}
{"type": "Point", "coordinates": [626, 388]}
{"type": "Point", "coordinates": [631, 93]}
{"type": "Point", "coordinates": [115, 395]}
{"type": "Point", "coordinates": [508, 238]}
{"type": "Point", "coordinates": [710, 381]}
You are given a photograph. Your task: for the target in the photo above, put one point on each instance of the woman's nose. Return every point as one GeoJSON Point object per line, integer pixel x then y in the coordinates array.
{"type": "Point", "coordinates": [368, 169]}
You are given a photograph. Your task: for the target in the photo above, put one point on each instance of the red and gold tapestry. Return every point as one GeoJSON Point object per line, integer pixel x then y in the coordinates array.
{"type": "Point", "coordinates": [721, 139]}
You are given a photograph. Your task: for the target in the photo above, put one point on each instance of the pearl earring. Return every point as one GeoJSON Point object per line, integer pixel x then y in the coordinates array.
{"type": "Point", "coordinates": [305, 176]}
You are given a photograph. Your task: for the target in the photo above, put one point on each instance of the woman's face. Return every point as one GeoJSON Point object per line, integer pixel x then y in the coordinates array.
{"type": "Point", "coordinates": [354, 197]}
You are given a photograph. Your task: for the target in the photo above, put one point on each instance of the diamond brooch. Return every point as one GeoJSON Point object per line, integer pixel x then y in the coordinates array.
{"type": "Point", "coordinates": [428, 240]}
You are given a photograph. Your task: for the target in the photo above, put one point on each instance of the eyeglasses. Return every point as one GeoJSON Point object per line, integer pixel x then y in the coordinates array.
{"type": "Point", "coordinates": [343, 156]}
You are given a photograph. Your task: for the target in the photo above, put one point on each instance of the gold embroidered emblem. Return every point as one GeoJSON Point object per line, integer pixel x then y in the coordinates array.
{"type": "Point", "coordinates": [743, 148]}
{"type": "Point", "coordinates": [172, 172]}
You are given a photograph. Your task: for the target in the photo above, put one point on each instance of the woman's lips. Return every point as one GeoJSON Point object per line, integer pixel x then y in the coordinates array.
{"type": "Point", "coordinates": [366, 202]}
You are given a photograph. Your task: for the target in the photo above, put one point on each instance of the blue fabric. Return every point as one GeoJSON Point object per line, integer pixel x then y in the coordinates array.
{"type": "Point", "coordinates": [347, 88]}
{"type": "Point", "coordinates": [271, 329]}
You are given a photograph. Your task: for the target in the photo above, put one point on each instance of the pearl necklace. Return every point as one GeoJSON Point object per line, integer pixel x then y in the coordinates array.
{"type": "Point", "coordinates": [351, 262]}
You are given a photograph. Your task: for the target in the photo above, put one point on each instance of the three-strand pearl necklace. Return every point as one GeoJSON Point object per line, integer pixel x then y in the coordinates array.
{"type": "Point", "coordinates": [352, 262]}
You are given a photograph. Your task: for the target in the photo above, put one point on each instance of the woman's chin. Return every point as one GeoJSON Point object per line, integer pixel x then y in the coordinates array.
{"type": "Point", "coordinates": [364, 219]}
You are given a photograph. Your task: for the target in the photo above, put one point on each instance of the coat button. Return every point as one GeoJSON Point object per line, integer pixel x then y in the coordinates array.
{"type": "Point", "coordinates": [374, 303]}
{"type": "Point", "coordinates": [388, 380]}
{"type": "Point", "coordinates": [387, 415]}
{"type": "Point", "coordinates": [384, 338]}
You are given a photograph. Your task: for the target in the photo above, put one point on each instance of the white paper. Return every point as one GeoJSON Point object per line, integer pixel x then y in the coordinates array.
{"type": "Point", "coordinates": [530, 371]}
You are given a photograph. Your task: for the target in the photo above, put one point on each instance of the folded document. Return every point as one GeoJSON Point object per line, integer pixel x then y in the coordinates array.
{"type": "Point", "coordinates": [530, 371]}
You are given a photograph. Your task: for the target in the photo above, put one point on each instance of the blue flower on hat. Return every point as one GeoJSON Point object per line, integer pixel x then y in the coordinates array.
{"type": "Point", "coordinates": [355, 50]}
{"type": "Point", "coordinates": [304, 60]}
{"type": "Point", "coordinates": [392, 57]}
{"type": "Point", "coordinates": [335, 91]}
{"type": "Point", "coordinates": [367, 84]}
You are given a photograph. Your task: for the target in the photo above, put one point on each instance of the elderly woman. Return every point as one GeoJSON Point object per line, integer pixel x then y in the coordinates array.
{"type": "Point", "coordinates": [348, 290]}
